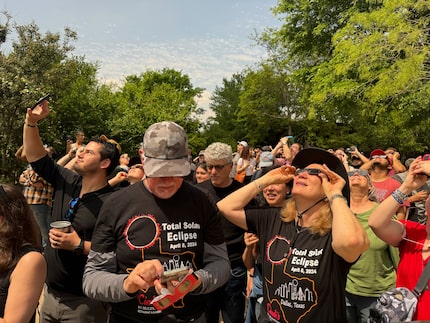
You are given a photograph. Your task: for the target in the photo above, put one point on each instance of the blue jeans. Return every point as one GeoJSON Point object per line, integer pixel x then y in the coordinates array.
{"type": "Point", "coordinates": [255, 298]}
{"type": "Point", "coordinates": [42, 214]}
{"type": "Point", "coordinates": [229, 299]}
{"type": "Point", "coordinates": [358, 307]}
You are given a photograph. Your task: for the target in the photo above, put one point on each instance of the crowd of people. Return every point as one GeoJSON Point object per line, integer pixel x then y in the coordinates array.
{"type": "Point", "coordinates": [269, 234]}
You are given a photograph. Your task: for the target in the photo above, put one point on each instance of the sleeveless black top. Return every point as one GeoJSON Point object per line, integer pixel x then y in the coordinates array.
{"type": "Point", "coordinates": [5, 282]}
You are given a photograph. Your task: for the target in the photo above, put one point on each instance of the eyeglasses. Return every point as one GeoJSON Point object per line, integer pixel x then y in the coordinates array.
{"type": "Point", "coordinates": [360, 172]}
{"type": "Point", "coordinates": [217, 167]}
{"type": "Point", "coordinates": [379, 156]}
{"type": "Point", "coordinates": [310, 171]}
{"type": "Point", "coordinates": [71, 211]}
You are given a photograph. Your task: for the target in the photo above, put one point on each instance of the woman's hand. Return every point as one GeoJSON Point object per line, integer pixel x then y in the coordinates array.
{"type": "Point", "coordinates": [280, 175]}
{"type": "Point", "coordinates": [332, 182]}
{"type": "Point", "coordinates": [417, 175]}
{"type": "Point", "coordinates": [251, 240]}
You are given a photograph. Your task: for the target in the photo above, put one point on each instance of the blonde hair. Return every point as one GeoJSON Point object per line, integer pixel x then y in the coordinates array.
{"type": "Point", "coordinates": [320, 225]}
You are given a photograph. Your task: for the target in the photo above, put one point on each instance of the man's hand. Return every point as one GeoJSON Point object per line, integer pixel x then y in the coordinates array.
{"type": "Point", "coordinates": [143, 276]}
{"type": "Point", "coordinates": [38, 113]}
{"type": "Point", "coordinates": [64, 240]}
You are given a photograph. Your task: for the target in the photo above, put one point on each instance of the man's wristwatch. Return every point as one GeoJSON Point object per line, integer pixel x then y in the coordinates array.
{"type": "Point", "coordinates": [80, 248]}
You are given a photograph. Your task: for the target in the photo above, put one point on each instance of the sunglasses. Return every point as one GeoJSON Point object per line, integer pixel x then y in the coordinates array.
{"type": "Point", "coordinates": [71, 211]}
{"type": "Point", "coordinates": [310, 171]}
{"type": "Point", "coordinates": [360, 172]}
{"type": "Point", "coordinates": [217, 167]}
{"type": "Point", "coordinates": [379, 156]}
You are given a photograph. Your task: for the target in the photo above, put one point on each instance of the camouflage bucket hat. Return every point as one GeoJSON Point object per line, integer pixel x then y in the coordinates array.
{"type": "Point", "coordinates": [165, 146]}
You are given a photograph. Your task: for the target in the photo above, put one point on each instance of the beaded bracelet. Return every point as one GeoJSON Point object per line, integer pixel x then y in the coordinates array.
{"type": "Point", "coordinates": [398, 196]}
{"type": "Point", "coordinates": [401, 194]}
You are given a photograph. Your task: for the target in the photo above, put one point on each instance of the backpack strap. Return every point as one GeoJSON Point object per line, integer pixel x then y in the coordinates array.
{"type": "Point", "coordinates": [423, 281]}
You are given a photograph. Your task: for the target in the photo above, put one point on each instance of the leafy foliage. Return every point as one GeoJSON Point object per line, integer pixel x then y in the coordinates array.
{"type": "Point", "coordinates": [152, 97]}
{"type": "Point", "coordinates": [377, 78]}
{"type": "Point", "coordinates": [224, 127]}
{"type": "Point", "coordinates": [39, 64]}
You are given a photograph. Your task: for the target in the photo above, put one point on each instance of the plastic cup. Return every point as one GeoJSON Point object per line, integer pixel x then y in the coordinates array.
{"type": "Point", "coordinates": [61, 225]}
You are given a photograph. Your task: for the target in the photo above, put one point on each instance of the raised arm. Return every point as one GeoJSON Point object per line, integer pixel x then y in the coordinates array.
{"type": "Point", "coordinates": [349, 238]}
{"type": "Point", "coordinates": [33, 146]}
{"type": "Point", "coordinates": [381, 220]}
{"type": "Point", "coordinates": [232, 206]}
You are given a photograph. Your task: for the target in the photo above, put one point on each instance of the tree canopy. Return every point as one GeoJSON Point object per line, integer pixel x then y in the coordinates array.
{"type": "Point", "coordinates": [342, 73]}
{"type": "Point", "coordinates": [336, 74]}
{"type": "Point", "coordinates": [40, 63]}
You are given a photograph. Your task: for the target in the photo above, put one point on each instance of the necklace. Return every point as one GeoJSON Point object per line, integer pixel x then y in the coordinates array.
{"type": "Point", "coordinates": [300, 214]}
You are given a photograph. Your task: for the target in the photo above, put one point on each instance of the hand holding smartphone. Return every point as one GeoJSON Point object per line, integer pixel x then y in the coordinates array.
{"type": "Point", "coordinates": [43, 98]}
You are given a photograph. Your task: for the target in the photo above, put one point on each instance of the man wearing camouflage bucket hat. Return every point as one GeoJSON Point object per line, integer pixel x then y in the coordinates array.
{"type": "Point", "coordinates": [161, 223]}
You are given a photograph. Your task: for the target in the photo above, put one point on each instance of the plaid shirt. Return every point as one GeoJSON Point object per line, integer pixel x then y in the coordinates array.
{"type": "Point", "coordinates": [35, 189]}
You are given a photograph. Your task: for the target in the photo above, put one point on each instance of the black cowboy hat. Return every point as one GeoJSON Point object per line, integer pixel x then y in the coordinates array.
{"type": "Point", "coordinates": [309, 156]}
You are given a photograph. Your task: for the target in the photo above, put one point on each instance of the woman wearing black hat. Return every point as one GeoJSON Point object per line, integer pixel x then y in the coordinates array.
{"type": "Point", "coordinates": [308, 247]}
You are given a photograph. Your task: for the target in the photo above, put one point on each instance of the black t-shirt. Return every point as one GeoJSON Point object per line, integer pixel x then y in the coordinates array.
{"type": "Point", "coordinates": [65, 268]}
{"type": "Point", "coordinates": [232, 233]}
{"type": "Point", "coordinates": [136, 225]}
{"type": "Point", "coordinates": [303, 278]}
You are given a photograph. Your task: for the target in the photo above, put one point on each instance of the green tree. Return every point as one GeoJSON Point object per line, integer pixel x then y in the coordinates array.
{"type": "Point", "coordinates": [223, 126]}
{"type": "Point", "coordinates": [37, 64]}
{"type": "Point", "coordinates": [152, 97]}
{"type": "Point", "coordinates": [376, 83]}
{"type": "Point", "coordinates": [268, 105]}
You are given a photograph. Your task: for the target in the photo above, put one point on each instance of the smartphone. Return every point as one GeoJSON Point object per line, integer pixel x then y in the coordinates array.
{"type": "Point", "coordinates": [43, 98]}
{"type": "Point", "coordinates": [426, 157]}
{"type": "Point", "coordinates": [174, 274]}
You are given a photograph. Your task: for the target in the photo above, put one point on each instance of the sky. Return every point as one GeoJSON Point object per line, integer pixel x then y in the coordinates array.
{"type": "Point", "coordinates": [208, 40]}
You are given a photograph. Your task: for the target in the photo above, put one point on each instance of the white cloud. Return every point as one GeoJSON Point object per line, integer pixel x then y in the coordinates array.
{"type": "Point", "coordinates": [205, 39]}
{"type": "Point", "coordinates": [205, 61]}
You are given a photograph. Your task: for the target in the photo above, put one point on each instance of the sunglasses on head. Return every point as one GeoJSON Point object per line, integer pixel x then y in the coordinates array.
{"type": "Point", "coordinates": [379, 156]}
{"type": "Point", "coordinates": [310, 171]}
{"type": "Point", "coordinates": [360, 172]}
